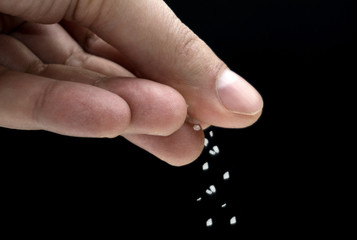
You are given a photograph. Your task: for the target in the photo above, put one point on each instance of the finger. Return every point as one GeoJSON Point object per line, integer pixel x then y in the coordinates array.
{"type": "Point", "coordinates": [181, 148]}
{"type": "Point", "coordinates": [93, 44]}
{"type": "Point", "coordinates": [16, 56]}
{"type": "Point", "coordinates": [34, 102]}
{"type": "Point", "coordinates": [155, 108]}
{"type": "Point", "coordinates": [42, 39]}
{"type": "Point", "coordinates": [151, 106]}
{"type": "Point", "coordinates": [161, 48]}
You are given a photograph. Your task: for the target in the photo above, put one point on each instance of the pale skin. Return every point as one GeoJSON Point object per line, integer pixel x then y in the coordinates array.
{"type": "Point", "coordinates": [104, 68]}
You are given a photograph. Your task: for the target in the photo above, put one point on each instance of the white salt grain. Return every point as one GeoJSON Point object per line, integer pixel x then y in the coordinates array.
{"type": "Point", "coordinates": [209, 192]}
{"type": "Point", "coordinates": [211, 133]}
{"type": "Point", "coordinates": [216, 149]}
{"type": "Point", "coordinates": [196, 127]}
{"type": "Point", "coordinates": [209, 222]}
{"type": "Point", "coordinates": [205, 166]}
{"type": "Point", "coordinates": [226, 175]}
{"type": "Point", "coordinates": [199, 199]}
{"type": "Point", "coordinates": [212, 152]}
{"type": "Point", "coordinates": [224, 205]}
{"type": "Point", "coordinates": [212, 188]}
{"type": "Point", "coordinates": [233, 220]}
{"type": "Point", "coordinates": [206, 142]}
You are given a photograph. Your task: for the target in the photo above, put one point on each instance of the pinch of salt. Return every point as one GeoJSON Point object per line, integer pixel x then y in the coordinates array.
{"type": "Point", "coordinates": [196, 127]}
{"type": "Point", "coordinates": [205, 166]}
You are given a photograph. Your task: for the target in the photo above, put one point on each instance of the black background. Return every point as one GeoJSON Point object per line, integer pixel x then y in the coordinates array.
{"type": "Point", "coordinates": [294, 53]}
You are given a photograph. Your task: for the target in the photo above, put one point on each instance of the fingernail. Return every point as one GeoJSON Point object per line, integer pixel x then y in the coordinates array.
{"type": "Point", "coordinates": [237, 95]}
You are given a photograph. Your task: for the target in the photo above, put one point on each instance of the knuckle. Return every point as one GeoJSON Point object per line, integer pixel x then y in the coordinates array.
{"type": "Point", "coordinates": [36, 67]}
{"type": "Point", "coordinates": [193, 54]}
{"type": "Point", "coordinates": [40, 102]}
{"type": "Point", "coordinates": [87, 12]}
{"type": "Point", "coordinates": [90, 40]}
{"type": "Point", "coordinates": [188, 43]}
{"type": "Point", "coordinates": [76, 58]}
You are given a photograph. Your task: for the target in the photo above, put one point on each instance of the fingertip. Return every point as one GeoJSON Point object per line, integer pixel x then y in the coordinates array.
{"type": "Point", "coordinates": [189, 154]}
{"type": "Point", "coordinates": [252, 118]}
{"type": "Point", "coordinates": [179, 149]}
{"type": "Point", "coordinates": [156, 109]}
{"type": "Point", "coordinates": [174, 111]}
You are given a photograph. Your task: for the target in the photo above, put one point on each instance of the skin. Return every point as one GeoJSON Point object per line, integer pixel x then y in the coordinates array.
{"type": "Point", "coordinates": [106, 68]}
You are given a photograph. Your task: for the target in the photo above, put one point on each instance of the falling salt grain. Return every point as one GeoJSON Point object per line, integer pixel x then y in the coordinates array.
{"type": "Point", "coordinates": [216, 149]}
{"type": "Point", "coordinates": [205, 166]}
{"type": "Point", "coordinates": [212, 188]}
{"type": "Point", "coordinates": [212, 152]}
{"type": "Point", "coordinates": [206, 142]}
{"type": "Point", "coordinates": [196, 127]}
{"type": "Point", "coordinates": [226, 175]}
{"type": "Point", "coordinates": [209, 192]}
{"type": "Point", "coordinates": [224, 205]}
{"type": "Point", "coordinates": [211, 133]}
{"type": "Point", "coordinates": [199, 199]}
{"type": "Point", "coordinates": [233, 220]}
{"type": "Point", "coordinates": [209, 222]}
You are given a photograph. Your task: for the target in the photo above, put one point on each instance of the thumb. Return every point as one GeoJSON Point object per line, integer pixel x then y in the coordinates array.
{"type": "Point", "coordinates": [162, 49]}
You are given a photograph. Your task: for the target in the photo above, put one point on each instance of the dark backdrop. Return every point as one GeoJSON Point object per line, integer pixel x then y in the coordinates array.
{"type": "Point", "coordinates": [293, 52]}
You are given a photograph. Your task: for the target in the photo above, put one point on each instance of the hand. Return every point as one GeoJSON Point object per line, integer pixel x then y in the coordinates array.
{"type": "Point", "coordinates": [116, 67]}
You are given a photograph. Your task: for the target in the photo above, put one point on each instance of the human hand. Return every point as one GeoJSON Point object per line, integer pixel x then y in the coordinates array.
{"type": "Point", "coordinates": [105, 68]}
